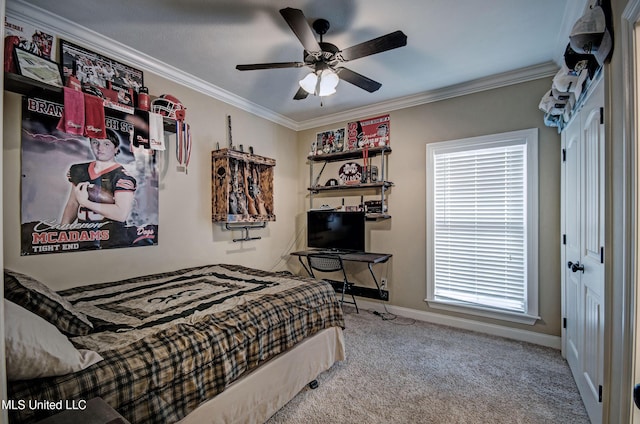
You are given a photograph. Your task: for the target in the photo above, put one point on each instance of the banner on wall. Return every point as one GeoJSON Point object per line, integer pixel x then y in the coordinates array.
{"type": "Point", "coordinates": [370, 132]}
{"type": "Point", "coordinates": [83, 194]}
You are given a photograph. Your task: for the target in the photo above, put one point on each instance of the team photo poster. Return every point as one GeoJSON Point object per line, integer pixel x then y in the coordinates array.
{"type": "Point", "coordinates": [97, 70]}
{"type": "Point", "coordinates": [83, 194]}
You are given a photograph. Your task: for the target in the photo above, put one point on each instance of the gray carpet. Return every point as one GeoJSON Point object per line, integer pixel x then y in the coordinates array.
{"type": "Point", "coordinates": [406, 371]}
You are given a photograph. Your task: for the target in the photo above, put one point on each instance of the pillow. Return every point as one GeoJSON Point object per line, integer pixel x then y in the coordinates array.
{"type": "Point", "coordinates": [35, 348]}
{"type": "Point", "coordinates": [44, 302]}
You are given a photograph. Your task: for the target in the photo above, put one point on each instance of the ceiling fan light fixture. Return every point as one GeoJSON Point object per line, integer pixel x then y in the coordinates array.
{"type": "Point", "coordinates": [309, 82]}
{"type": "Point", "coordinates": [328, 82]}
{"type": "Point", "coordinates": [321, 84]}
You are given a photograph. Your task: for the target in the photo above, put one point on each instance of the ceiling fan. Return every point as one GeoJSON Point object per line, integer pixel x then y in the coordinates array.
{"type": "Point", "coordinates": [325, 58]}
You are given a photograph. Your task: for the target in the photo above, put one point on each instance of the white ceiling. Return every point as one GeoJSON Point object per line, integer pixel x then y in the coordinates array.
{"type": "Point", "coordinates": [449, 43]}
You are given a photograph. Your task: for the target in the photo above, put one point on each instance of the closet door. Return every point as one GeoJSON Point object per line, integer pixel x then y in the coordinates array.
{"type": "Point", "coordinates": [572, 280]}
{"type": "Point", "coordinates": [583, 269]}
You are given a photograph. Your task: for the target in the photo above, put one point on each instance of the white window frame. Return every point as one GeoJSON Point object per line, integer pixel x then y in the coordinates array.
{"type": "Point", "coordinates": [528, 137]}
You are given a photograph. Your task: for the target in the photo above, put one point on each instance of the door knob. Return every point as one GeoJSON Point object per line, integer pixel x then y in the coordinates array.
{"type": "Point", "coordinates": [575, 267]}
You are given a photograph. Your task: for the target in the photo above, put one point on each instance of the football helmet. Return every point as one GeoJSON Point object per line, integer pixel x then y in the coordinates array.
{"type": "Point", "coordinates": [169, 106]}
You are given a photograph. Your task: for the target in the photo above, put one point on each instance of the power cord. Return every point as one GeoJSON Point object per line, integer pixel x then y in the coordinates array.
{"type": "Point", "coordinates": [385, 316]}
{"type": "Point", "coordinates": [388, 316]}
{"type": "Point", "coordinates": [283, 257]}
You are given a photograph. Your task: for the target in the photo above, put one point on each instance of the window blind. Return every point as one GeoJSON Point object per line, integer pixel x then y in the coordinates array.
{"type": "Point", "coordinates": [480, 227]}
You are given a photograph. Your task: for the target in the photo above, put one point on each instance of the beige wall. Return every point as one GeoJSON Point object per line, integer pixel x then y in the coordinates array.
{"type": "Point", "coordinates": [404, 235]}
{"type": "Point", "coordinates": [187, 237]}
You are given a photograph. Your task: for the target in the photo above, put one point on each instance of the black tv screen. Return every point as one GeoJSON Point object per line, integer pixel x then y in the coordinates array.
{"type": "Point", "coordinates": [335, 230]}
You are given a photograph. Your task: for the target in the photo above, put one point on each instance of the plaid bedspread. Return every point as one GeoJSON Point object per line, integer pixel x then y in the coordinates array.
{"type": "Point", "coordinates": [173, 340]}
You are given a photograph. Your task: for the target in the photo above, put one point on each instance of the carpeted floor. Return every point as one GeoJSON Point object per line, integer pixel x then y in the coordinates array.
{"type": "Point", "coordinates": [406, 371]}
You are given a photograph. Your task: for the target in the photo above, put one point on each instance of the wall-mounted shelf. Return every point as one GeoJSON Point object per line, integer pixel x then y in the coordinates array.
{"type": "Point", "coordinates": [376, 216]}
{"type": "Point", "coordinates": [30, 87]}
{"type": "Point", "coordinates": [376, 185]}
{"type": "Point", "coordinates": [33, 88]}
{"type": "Point", "coordinates": [348, 154]}
{"type": "Point", "coordinates": [381, 185]}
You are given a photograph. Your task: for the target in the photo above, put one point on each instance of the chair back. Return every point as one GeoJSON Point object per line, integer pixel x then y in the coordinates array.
{"type": "Point", "coordinates": [325, 262]}
{"type": "Point", "coordinates": [328, 262]}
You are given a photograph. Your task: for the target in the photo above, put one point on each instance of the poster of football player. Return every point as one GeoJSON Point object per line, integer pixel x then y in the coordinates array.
{"type": "Point", "coordinates": [82, 193]}
{"type": "Point", "coordinates": [18, 33]}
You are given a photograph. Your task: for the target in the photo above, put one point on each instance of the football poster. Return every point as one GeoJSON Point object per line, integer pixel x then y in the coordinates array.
{"type": "Point", "coordinates": [81, 194]}
{"type": "Point", "coordinates": [329, 141]}
{"type": "Point", "coordinates": [370, 132]}
{"type": "Point", "coordinates": [18, 33]}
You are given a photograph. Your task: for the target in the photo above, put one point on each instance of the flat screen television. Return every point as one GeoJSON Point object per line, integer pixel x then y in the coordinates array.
{"type": "Point", "coordinates": [335, 230]}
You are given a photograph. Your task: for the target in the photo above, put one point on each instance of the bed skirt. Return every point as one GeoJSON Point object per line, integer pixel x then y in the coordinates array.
{"type": "Point", "coordinates": [252, 399]}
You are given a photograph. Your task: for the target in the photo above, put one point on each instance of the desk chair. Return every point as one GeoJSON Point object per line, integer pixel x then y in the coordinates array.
{"type": "Point", "coordinates": [327, 262]}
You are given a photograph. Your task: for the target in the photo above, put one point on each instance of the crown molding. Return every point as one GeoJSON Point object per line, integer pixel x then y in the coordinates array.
{"type": "Point", "coordinates": [517, 76]}
{"type": "Point", "coordinates": [73, 32]}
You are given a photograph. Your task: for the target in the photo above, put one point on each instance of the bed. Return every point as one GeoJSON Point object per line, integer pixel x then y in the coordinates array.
{"type": "Point", "coordinates": [196, 345]}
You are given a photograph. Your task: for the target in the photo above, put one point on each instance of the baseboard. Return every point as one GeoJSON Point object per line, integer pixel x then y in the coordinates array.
{"type": "Point", "coordinates": [547, 340]}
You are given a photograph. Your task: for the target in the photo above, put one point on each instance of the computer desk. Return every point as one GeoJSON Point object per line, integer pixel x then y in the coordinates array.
{"type": "Point", "coordinates": [369, 258]}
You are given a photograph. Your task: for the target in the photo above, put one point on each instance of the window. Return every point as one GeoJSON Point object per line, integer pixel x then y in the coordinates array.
{"type": "Point", "coordinates": [482, 225]}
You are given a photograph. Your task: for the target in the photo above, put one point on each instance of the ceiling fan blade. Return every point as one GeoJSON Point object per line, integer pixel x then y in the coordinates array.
{"type": "Point", "coordinates": [377, 45]}
{"type": "Point", "coordinates": [274, 65]}
{"type": "Point", "coordinates": [300, 27]}
{"type": "Point", "coordinates": [301, 94]}
{"type": "Point", "coordinates": [358, 80]}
